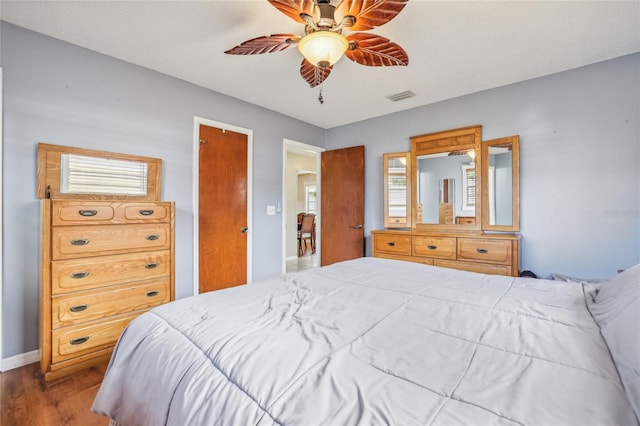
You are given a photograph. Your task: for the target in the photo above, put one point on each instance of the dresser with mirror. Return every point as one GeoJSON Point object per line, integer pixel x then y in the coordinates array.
{"type": "Point", "coordinates": [457, 204]}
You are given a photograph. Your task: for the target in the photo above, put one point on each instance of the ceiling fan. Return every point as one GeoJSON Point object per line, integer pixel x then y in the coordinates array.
{"type": "Point", "coordinates": [323, 43]}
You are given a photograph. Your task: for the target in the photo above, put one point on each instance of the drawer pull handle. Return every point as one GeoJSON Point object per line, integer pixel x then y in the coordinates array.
{"type": "Point", "coordinates": [146, 212]}
{"type": "Point", "coordinates": [482, 251]}
{"type": "Point", "coordinates": [88, 212]}
{"type": "Point", "coordinates": [82, 242]}
{"type": "Point", "coordinates": [79, 308]}
{"type": "Point", "coordinates": [152, 293]}
{"type": "Point", "coordinates": [152, 237]}
{"type": "Point", "coordinates": [151, 265]}
{"type": "Point", "coordinates": [79, 340]}
{"type": "Point", "coordinates": [78, 275]}
{"type": "Point", "coordinates": [431, 247]}
{"type": "Point", "coordinates": [391, 244]}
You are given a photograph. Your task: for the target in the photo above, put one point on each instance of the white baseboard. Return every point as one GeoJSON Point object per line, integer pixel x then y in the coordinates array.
{"type": "Point", "coordinates": [291, 258]}
{"type": "Point", "coordinates": [20, 360]}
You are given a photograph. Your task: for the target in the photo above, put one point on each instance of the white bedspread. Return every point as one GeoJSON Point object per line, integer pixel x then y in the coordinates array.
{"type": "Point", "coordinates": [369, 341]}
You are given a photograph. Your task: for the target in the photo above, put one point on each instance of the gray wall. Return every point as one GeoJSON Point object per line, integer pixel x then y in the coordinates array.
{"type": "Point", "coordinates": [580, 161]}
{"type": "Point", "coordinates": [62, 94]}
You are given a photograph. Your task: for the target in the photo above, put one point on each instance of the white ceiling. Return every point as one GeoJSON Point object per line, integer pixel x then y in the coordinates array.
{"type": "Point", "coordinates": [454, 47]}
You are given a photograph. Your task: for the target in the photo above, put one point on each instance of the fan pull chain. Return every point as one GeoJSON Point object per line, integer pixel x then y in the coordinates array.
{"type": "Point", "coordinates": [320, 98]}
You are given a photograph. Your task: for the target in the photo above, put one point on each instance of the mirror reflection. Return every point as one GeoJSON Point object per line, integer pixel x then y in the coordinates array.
{"type": "Point", "coordinates": [397, 183]}
{"type": "Point", "coordinates": [446, 187]}
{"type": "Point", "coordinates": [499, 184]}
{"type": "Point", "coordinates": [397, 190]}
{"type": "Point", "coordinates": [81, 174]}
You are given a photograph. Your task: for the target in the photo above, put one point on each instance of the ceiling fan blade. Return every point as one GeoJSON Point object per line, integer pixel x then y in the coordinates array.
{"type": "Point", "coordinates": [266, 44]}
{"type": "Point", "coordinates": [312, 74]}
{"type": "Point", "coordinates": [293, 8]}
{"type": "Point", "coordinates": [369, 13]}
{"type": "Point", "coordinates": [375, 51]}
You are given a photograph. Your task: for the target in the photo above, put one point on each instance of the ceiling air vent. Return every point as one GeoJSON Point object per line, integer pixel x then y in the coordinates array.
{"type": "Point", "coordinates": [400, 96]}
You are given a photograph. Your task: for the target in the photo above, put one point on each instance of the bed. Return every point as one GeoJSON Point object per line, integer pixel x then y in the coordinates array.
{"type": "Point", "coordinates": [375, 341]}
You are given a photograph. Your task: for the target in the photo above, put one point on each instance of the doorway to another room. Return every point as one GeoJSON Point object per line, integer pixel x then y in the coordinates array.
{"type": "Point", "coordinates": [301, 213]}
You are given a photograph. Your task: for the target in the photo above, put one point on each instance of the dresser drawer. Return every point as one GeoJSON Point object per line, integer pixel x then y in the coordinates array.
{"type": "Point", "coordinates": [398, 221]}
{"type": "Point", "coordinates": [483, 268]}
{"type": "Point", "coordinates": [485, 250]}
{"type": "Point", "coordinates": [423, 260]}
{"type": "Point", "coordinates": [439, 247]}
{"type": "Point", "coordinates": [87, 306]}
{"type": "Point", "coordinates": [67, 213]}
{"type": "Point", "coordinates": [78, 213]}
{"type": "Point", "coordinates": [70, 342]}
{"type": "Point", "coordinates": [147, 213]}
{"type": "Point", "coordinates": [93, 272]}
{"type": "Point", "coordinates": [393, 243]}
{"type": "Point", "coordinates": [80, 241]}
{"type": "Point", "coordinates": [465, 220]}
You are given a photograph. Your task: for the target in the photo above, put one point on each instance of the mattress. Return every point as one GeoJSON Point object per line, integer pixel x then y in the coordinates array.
{"type": "Point", "coordinates": [369, 341]}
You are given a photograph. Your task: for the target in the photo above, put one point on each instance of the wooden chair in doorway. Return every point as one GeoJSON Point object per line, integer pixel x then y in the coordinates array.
{"type": "Point", "coordinates": [307, 234]}
{"type": "Point", "coordinates": [300, 216]}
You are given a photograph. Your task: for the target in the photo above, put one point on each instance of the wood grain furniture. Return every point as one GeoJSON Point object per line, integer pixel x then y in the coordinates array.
{"type": "Point", "coordinates": [485, 253]}
{"type": "Point", "coordinates": [307, 233]}
{"type": "Point", "coordinates": [450, 219]}
{"type": "Point", "coordinates": [396, 170]}
{"type": "Point", "coordinates": [461, 220]}
{"type": "Point", "coordinates": [104, 262]}
{"type": "Point", "coordinates": [445, 213]}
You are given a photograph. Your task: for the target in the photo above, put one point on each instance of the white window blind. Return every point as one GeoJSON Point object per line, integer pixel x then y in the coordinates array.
{"type": "Point", "coordinates": [397, 187]}
{"type": "Point", "coordinates": [91, 175]}
{"type": "Point", "coordinates": [311, 198]}
{"type": "Point", "coordinates": [468, 187]}
{"type": "Point", "coordinates": [397, 196]}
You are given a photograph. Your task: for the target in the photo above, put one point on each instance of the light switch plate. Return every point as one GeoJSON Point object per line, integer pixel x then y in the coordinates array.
{"type": "Point", "coordinates": [271, 210]}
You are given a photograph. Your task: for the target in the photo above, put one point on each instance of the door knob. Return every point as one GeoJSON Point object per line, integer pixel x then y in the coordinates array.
{"type": "Point", "coordinates": [360, 226]}
{"type": "Point", "coordinates": [244, 229]}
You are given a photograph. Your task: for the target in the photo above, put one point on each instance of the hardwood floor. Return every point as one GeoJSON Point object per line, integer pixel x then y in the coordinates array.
{"type": "Point", "coordinates": [27, 400]}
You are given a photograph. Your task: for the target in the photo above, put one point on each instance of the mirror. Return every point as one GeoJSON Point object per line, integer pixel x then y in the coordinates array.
{"type": "Point", "coordinates": [397, 190]}
{"type": "Point", "coordinates": [458, 183]}
{"type": "Point", "coordinates": [501, 174]}
{"type": "Point", "coordinates": [81, 174]}
{"type": "Point", "coordinates": [76, 173]}
{"type": "Point", "coordinates": [446, 187]}
{"type": "Point", "coordinates": [446, 179]}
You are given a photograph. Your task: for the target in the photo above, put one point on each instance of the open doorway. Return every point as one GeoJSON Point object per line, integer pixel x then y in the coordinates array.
{"type": "Point", "coordinates": [301, 194]}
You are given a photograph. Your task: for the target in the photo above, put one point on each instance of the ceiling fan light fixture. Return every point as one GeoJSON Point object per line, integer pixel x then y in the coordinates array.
{"type": "Point", "coordinates": [323, 48]}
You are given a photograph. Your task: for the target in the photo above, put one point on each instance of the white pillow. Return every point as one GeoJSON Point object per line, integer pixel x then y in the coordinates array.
{"type": "Point", "coordinates": [616, 309]}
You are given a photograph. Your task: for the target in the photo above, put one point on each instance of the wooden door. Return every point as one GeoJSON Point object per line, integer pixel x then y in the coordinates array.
{"type": "Point", "coordinates": [342, 205]}
{"type": "Point", "coordinates": [222, 208]}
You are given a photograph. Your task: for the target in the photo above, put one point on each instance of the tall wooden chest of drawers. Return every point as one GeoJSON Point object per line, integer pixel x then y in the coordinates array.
{"type": "Point", "coordinates": [103, 264]}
